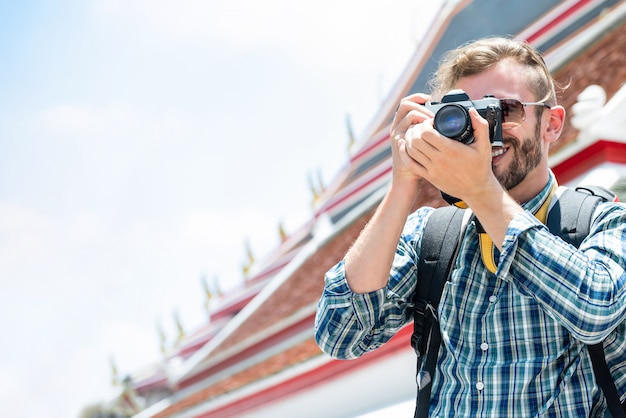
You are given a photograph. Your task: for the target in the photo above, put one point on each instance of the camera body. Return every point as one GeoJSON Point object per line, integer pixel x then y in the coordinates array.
{"type": "Point", "coordinates": [453, 121]}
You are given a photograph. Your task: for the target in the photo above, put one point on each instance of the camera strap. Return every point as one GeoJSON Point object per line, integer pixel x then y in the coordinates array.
{"type": "Point", "coordinates": [454, 201]}
{"type": "Point", "coordinates": [487, 248]}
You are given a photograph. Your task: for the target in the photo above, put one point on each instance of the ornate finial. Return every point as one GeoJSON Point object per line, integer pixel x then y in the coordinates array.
{"type": "Point", "coordinates": [217, 289]}
{"type": "Point", "coordinates": [317, 189]}
{"type": "Point", "coordinates": [210, 291]}
{"type": "Point", "coordinates": [314, 191]}
{"type": "Point", "coordinates": [162, 337]}
{"type": "Point", "coordinates": [246, 267]}
{"type": "Point", "coordinates": [179, 327]}
{"type": "Point", "coordinates": [320, 181]}
{"type": "Point", "coordinates": [281, 231]}
{"type": "Point", "coordinates": [207, 293]}
{"type": "Point", "coordinates": [114, 376]}
{"type": "Point", "coordinates": [351, 138]}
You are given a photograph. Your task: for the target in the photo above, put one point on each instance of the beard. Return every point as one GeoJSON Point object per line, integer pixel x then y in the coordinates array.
{"type": "Point", "coordinates": [527, 156]}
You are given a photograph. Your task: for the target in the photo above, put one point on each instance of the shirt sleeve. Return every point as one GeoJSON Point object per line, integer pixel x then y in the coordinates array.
{"type": "Point", "coordinates": [349, 324]}
{"type": "Point", "coordinates": [583, 289]}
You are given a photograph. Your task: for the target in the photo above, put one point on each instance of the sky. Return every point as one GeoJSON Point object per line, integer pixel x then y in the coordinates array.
{"type": "Point", "coordinates": [143, 143]}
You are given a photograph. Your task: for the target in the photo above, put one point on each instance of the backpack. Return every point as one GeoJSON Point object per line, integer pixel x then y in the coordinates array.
{"type": "Point", "coordinates": [569, 218]}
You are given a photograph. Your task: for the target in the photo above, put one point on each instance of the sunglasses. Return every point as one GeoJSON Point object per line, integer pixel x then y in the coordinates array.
{"type": "Point", "coordinates": [513, 113]}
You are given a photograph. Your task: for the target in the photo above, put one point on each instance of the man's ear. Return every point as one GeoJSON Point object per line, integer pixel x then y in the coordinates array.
{"type": "Point", "coordinates": [555, 122]}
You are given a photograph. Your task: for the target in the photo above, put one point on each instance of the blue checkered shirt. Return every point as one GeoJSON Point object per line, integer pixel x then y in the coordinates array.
{"type": "Point", "coordinates": [513, 342]}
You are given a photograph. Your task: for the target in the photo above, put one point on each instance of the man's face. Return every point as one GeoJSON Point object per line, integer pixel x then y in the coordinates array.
{"type": "Point", "coordinates": [527, 152]}
{"type": "Point", "coordinates": [523, 146]}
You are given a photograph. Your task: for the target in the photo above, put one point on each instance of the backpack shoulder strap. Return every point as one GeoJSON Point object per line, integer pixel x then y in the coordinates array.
{"type": "Point", "coordinates": [572, 211]}
{"type": "Point", "coordinates": [440, 240]}
{"type": "Point", "coordinates": [570, 218]}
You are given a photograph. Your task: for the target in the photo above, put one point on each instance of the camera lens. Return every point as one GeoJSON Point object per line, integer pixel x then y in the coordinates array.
{"type": "Point", "coordinates": [454, 122]}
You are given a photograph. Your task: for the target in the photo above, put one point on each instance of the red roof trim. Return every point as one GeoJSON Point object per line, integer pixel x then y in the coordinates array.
{"type": "Point", "coordinates": [320, 375]}
{"type": "Point", "coordinates": [265, 344]}
{"type": "Point", "coordinates": [558, 20]}
{"type": "Point", "coordinates": [369, 148]}
{"type": "Point", "coordinates": [145, 386]}
{"type": "Point", "coordinates": [358, 189]}
{"type": "Point", "coordinates": [595, 154]}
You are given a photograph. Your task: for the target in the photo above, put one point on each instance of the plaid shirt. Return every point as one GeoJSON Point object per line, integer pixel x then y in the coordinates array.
{"type": "Point", "coordinates": [513, 343]}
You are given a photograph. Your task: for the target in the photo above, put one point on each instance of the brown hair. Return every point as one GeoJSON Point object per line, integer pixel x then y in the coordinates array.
{"type": "Point", "coordinates": [477, 56]}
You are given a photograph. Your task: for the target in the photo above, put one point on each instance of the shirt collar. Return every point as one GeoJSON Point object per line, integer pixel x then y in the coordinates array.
{"type": "Point", "coordinates": [535, 203]}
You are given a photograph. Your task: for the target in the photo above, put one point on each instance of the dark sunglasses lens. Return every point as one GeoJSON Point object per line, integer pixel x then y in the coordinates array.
{"type": "Point", "coordinates": [512, 111]}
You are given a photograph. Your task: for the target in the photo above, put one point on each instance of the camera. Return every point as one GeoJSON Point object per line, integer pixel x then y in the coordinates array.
{"type": "Point", "coordinates": [452, 117]}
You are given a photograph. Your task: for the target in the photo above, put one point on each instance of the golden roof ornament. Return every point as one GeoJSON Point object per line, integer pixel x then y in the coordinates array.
{"type": "Point", "coordinates": [179, 327]}
{"type": "Point", "coordinates": [162, 337]}
{"type": "Point", "coordinates": [282, 233]}
{"type": "Point", "coordinates": [208, 295]}
{"type": "Point", "coordinates": [114, 374]}
{"type": "Point", "coordinates": [317, 189]}
{"type": "Point", "coordinates": [351, 137]}
{"type": "Point", "coordinates": [211, 290]}
{"type": "Point", "coordinates": [248, 265]}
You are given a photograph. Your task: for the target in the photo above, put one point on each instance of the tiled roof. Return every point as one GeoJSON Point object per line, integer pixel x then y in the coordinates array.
{"type": "Point", "coordinates": [602, 63]}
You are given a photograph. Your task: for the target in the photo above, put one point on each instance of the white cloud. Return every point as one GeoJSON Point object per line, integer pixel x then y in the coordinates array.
{"type": "Point", "coordinates": [348, 37]}
{"type": "Point", "coordinates": [23, 233]}
{"type": "Point", "coordinates": [108, 283]}
{"type": "Point", "coordinates": [234, 22]}
{"type": "Point", "coordinates": [17, 389]}
{"type": "Point", "coordinates": [75, 371]}
{"type": "Point", "coordinates": [119, 121]}
{"type": "Point", "coordinates": [68, 119]}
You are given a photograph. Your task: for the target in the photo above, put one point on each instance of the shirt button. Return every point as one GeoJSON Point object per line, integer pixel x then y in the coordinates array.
{"type": "Point", "coordinates": [492, 298]}
{"type": "Point", "coordinates": [480, 386]}
{"type": "Point", "coordinates": [484, 346]}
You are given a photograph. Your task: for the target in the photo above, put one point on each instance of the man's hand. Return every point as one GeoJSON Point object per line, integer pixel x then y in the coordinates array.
{"type": "Point", "coordinates": [458, 169]}
{"type": "Point", "coordinates": [410, 114]}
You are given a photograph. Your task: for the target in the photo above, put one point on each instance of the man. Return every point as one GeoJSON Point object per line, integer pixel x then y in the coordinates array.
{"type": "Point", "coordinates": [513, 340]}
